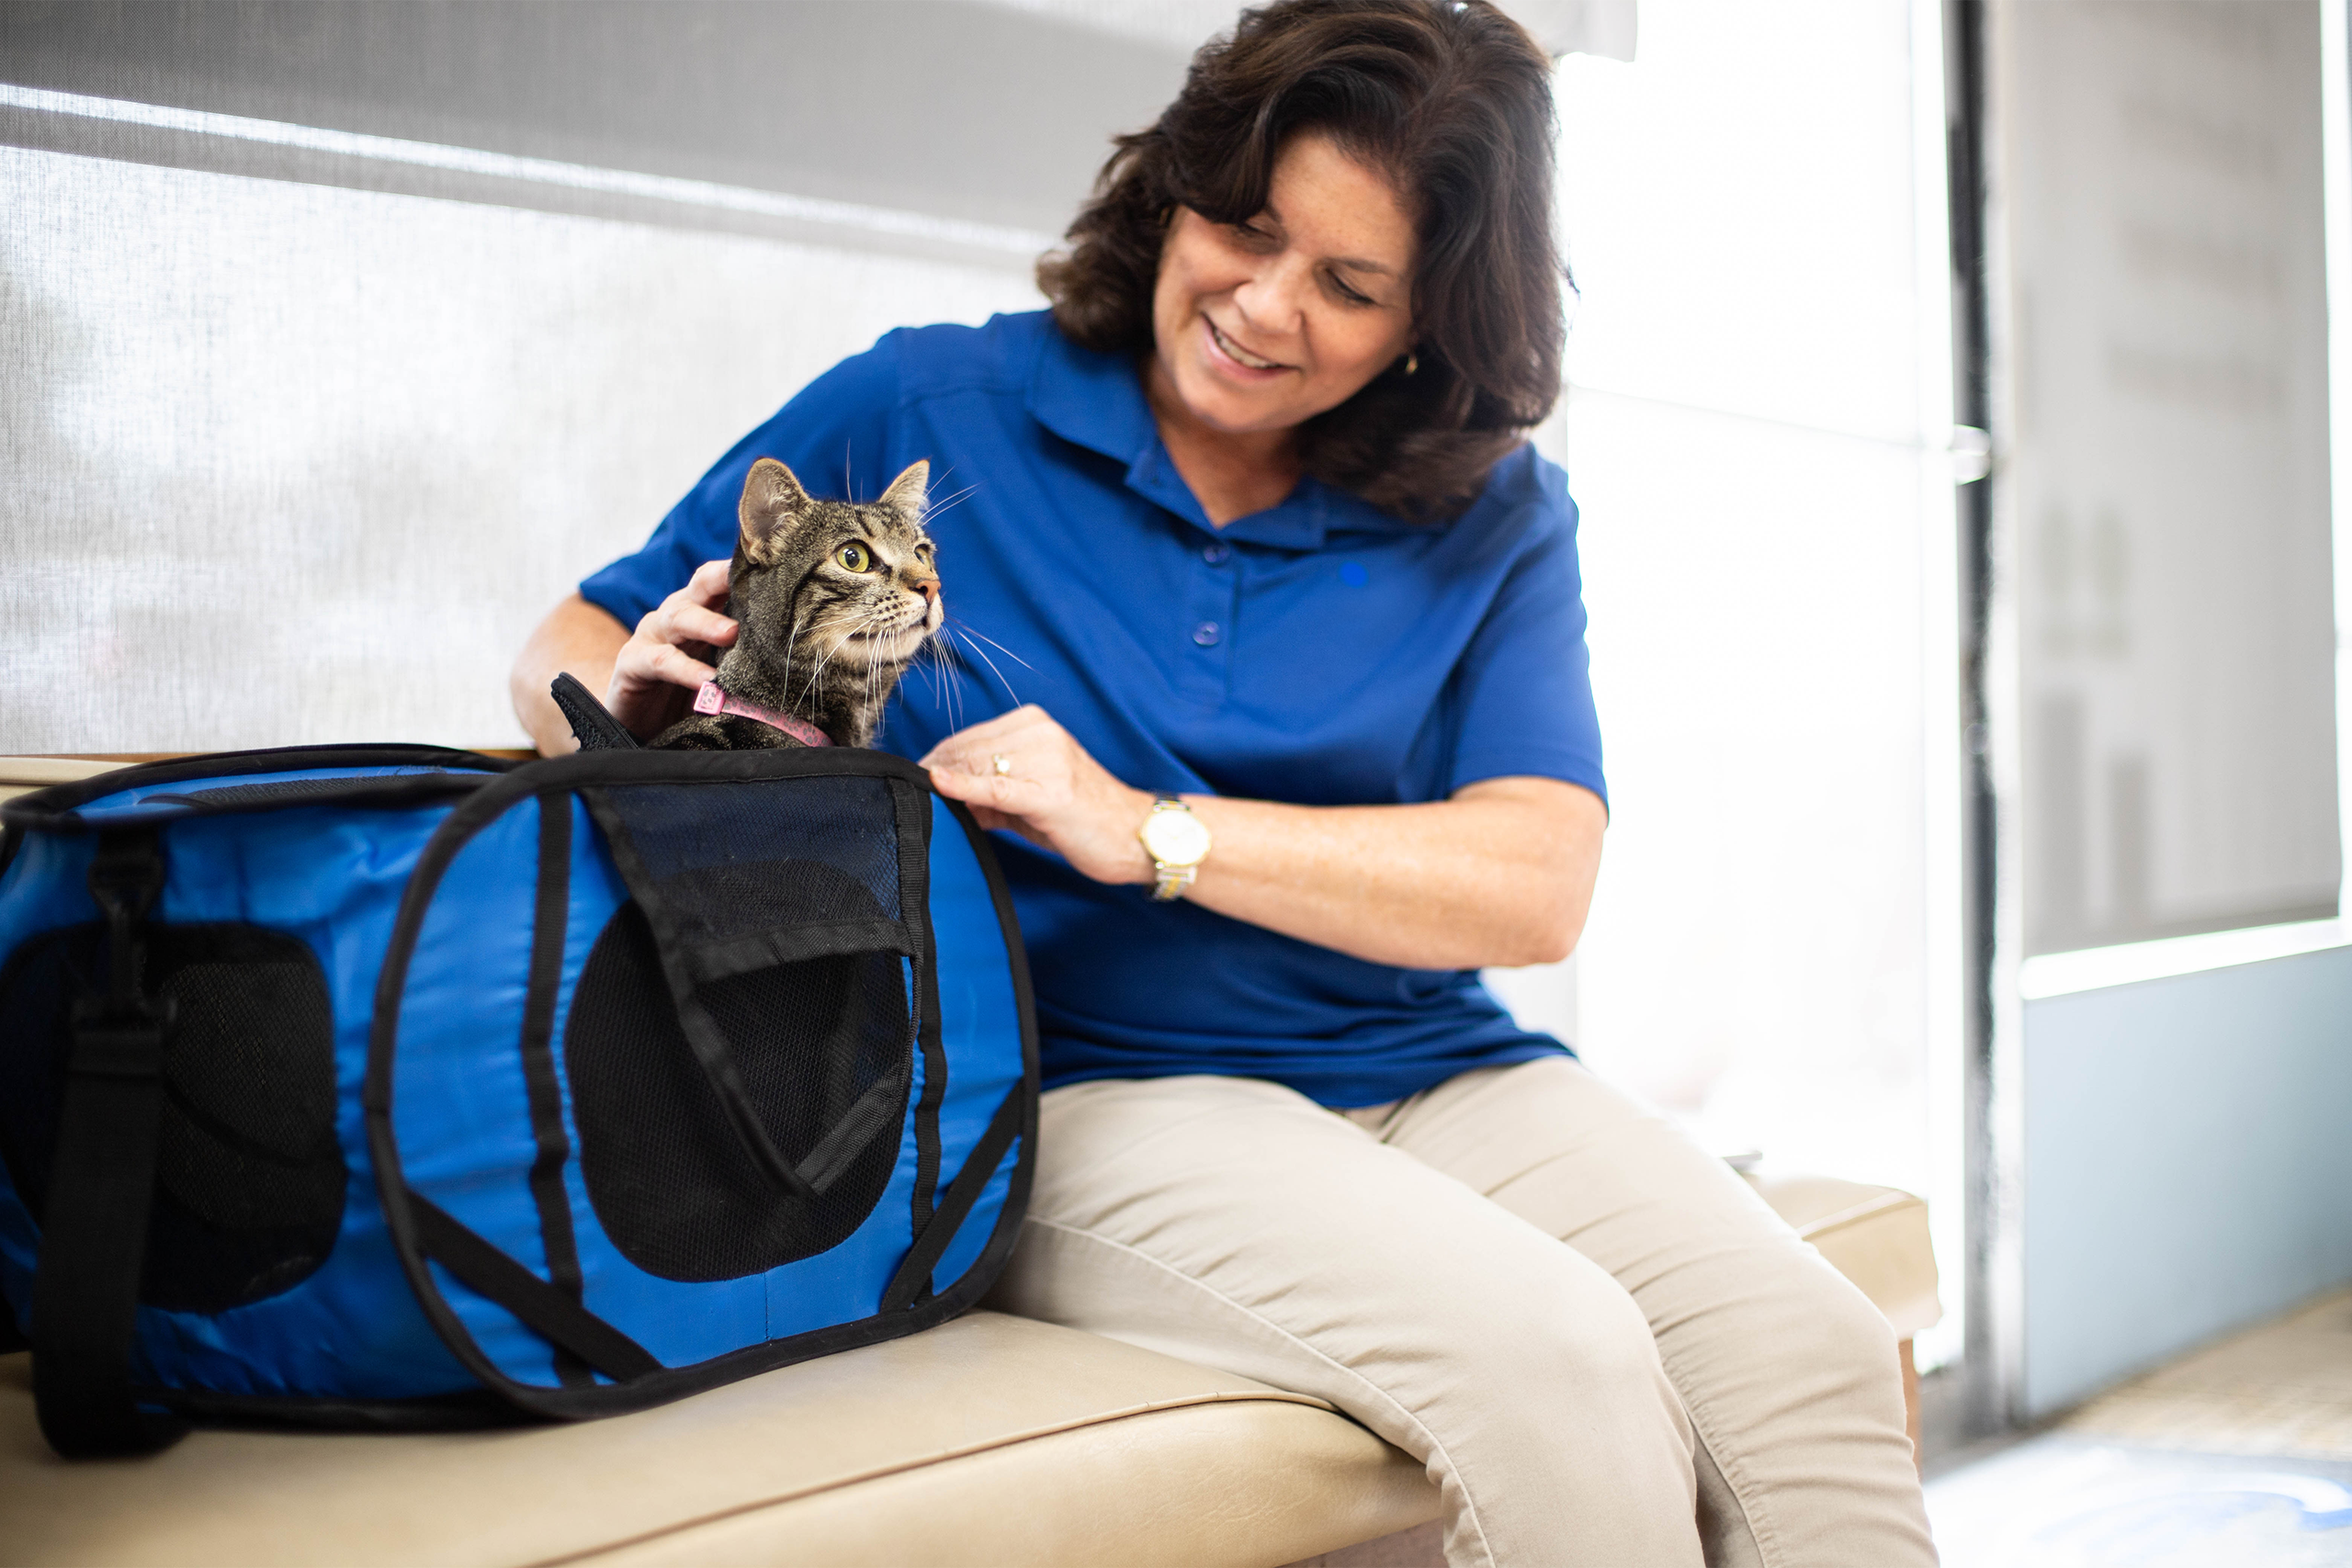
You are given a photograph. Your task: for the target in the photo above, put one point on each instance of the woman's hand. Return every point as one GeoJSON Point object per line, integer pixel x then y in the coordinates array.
{"type": "Point", "coordinates": [1050, 792]}
{"type": "Point", "coordinates": [661, 660]}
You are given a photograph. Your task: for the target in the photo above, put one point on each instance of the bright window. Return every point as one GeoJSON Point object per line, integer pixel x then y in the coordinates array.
{"type": "Point", "coordinates": [1757, 421]}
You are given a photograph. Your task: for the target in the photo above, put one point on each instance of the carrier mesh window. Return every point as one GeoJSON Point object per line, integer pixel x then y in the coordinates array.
{"type": "Point", "coordinates": [249, 1173]}
{"type": "Point", "coordinates": [736, 857]}
{"type": "Point", "coordinates": [670, 1181]}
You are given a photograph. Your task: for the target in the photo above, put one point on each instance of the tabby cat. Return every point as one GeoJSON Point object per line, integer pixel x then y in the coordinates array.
{"type": "Point", "coordinates": [834, 600]}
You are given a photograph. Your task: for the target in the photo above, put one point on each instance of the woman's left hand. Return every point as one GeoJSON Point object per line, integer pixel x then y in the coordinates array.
{"type": "Point", "coordinates": [1047, 790]}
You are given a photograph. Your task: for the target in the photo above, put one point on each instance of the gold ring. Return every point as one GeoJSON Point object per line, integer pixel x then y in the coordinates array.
{"type": "Point", "coordinates": [1001, 763]}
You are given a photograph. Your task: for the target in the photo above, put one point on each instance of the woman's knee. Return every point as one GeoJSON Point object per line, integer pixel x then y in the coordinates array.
{"type": "Point", "coordinates": [1829, 1341]}
{"type": "Point", "coordinates": [1582, 1339]}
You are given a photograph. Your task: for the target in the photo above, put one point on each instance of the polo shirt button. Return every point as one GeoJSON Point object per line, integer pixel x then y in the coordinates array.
{"type": "Point", "coordinates": [1216, 552]}
{"type": "Point", "coordinates": [1206, 634]}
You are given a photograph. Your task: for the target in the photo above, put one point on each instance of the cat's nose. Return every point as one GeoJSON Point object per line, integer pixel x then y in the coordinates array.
{"type": "Point", "coordinates": [928, 588]}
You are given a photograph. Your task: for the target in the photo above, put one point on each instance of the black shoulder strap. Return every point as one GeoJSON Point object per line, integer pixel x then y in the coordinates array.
{"type": "Point", "coordinates": [102, 1185]}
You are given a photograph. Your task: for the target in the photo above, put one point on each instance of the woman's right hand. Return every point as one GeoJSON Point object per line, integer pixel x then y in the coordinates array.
{"type": "Point", "coordinates": [663, 659]}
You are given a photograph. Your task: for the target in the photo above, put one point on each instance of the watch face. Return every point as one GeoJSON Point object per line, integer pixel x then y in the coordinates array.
{"type": "Point", "coordinates": [1176, 838]}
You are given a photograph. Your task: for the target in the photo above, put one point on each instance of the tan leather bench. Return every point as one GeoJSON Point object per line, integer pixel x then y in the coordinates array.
{"type": "Point", "coordinates": [992, 1440]}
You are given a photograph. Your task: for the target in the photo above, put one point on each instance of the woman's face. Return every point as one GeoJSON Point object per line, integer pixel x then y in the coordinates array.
{"type": "Point", "coordinates": [1261, 325]}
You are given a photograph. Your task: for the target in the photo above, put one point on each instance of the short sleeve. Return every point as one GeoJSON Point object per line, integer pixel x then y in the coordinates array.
{"type": "Point", "coordinates": [1523, 689]}
{"type": "Point", "coordinates": [839, 419]}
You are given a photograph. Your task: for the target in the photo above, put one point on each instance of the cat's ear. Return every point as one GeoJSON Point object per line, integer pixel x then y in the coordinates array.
{"type": "Point", "coordinates": [773, 502]}
{"type": "Point", "coordinates": [909, 492]}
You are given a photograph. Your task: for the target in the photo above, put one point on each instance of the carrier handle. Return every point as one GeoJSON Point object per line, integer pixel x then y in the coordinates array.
{"type": "Point", "coordinates": [102, 1182]}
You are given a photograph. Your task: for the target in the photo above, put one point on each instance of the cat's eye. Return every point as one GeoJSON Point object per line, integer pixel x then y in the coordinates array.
{"type": "Point", "coordinates": [854, 557]}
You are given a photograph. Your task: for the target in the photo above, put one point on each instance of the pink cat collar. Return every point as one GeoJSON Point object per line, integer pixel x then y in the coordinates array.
{"type": "Point", "coordinates": [710, 699]}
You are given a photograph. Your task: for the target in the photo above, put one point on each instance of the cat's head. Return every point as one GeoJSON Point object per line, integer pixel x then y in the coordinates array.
{"type": "Point", "coordinates": [834, 587]}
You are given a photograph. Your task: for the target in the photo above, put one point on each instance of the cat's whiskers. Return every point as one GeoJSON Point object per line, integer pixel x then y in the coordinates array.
{"type": "Point", "coordinates": [791, 641]}
{"type": "Point", "coordinates": [970, 631]}
{"type": "Point", "coordinates": [935, 508]}
{"type": "Point", "coordinates": [941, 672]}
{"type": "Point", "coordinates": [976, 647]}
{"type": "Point", "coordinates": [938, 650]}
{"type": "Point", "coordinates": [818, 624]}
{"type": "Point", "coordinates": [868, 624]}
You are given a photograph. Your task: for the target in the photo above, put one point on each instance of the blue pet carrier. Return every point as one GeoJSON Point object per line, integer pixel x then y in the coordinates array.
{"type": "Point", "coordinates": [390, 1084]}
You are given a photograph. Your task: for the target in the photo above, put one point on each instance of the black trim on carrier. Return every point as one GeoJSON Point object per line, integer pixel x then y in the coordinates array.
{"type": "Point", "coordinates": [419, 1230]}
{"type": "Point", "coordinates": [912, 1281]}
{"type": "Point", "coordinates": [461, 1410]}
{"type": "Point", "coordinates": [45, 807]}
{"type": "Point", "coordinates": [547, 1311]}
{"type": "Point", "coordinates": [913, 807]}
{"type": "Point", "coordinates": [53, 809]}
{"type": "Point", "coordinates": [549, 915]}
{"type": "Point", "coordinates": [982, 1274]}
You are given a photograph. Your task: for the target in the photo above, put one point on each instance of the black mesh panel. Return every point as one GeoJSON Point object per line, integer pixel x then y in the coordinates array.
{"type": "Point", "coordinates": [741, 856]}
{"type": "Point", "coordinates": [250, 1176]}
{"type": "Point", "coordinates": [670, 1181]}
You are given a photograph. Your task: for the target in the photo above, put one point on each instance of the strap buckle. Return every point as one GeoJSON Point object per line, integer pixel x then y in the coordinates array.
{"type": "Point", "coordinates": [108, 1045]}
{"type": "Point", "coordinates": [126, 877]}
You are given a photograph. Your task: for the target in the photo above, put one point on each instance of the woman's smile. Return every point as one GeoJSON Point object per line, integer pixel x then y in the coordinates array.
{"type": "Point", "coordinates": [1251, 367]}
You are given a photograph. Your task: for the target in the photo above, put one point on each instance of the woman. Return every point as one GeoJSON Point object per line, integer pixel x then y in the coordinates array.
{"type": "Point", "coordinates": [1254, 536]}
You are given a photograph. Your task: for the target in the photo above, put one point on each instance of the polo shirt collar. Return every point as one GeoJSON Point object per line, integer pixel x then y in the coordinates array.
{"type": "Point", "coordinates": [1096, 401]}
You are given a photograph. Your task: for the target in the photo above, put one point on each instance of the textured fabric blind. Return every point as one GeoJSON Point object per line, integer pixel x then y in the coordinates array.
{"type": "Point", "coordinates": [2168, 472]}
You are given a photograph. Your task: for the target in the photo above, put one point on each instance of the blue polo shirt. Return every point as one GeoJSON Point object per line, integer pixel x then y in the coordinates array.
{"type": "Point", "coordinates": [1321, 652]}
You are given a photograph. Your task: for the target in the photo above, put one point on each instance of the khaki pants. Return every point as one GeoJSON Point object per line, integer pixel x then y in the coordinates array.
{"type": "Point", "coordinates": [1683, 1381]}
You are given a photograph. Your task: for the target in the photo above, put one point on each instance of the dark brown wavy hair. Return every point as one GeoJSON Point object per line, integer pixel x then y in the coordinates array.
{"type": "Point", "coordinates": [1453, 103]}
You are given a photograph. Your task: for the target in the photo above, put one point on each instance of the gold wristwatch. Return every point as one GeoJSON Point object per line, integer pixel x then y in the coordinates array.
{"type": "Point", "coordinates": [1177, 842]}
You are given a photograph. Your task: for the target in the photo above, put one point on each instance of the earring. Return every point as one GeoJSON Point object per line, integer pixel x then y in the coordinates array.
{"type": "Point", "coordinates": [1412, 363]}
